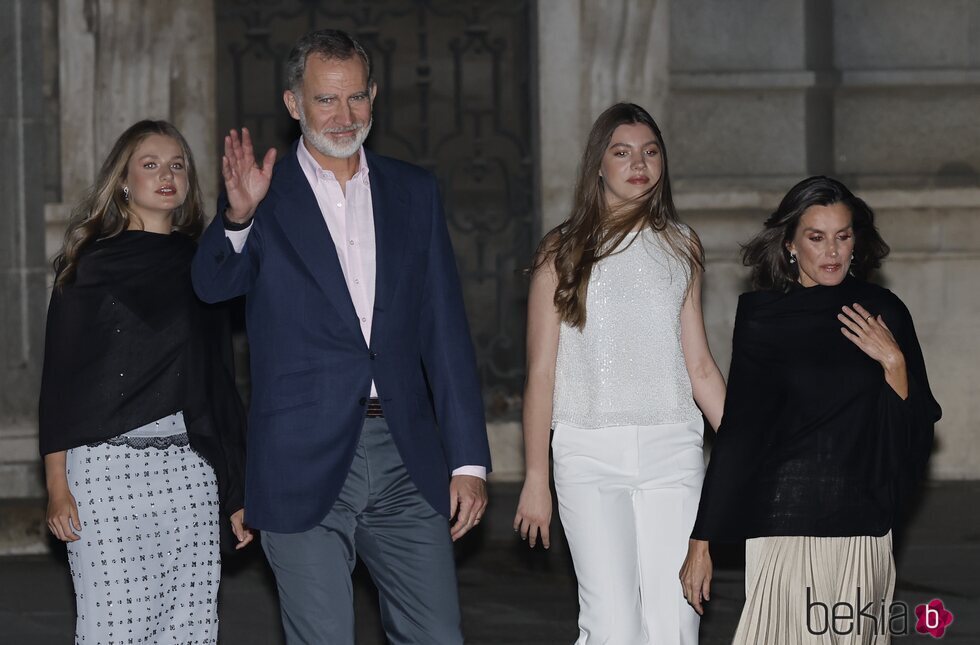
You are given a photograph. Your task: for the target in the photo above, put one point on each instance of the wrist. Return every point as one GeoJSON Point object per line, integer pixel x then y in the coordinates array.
{"type": "Point", "coordinates": [536, 478]}
{"type": "Point", "coordinates": [698, 546]}
{"type": "Point", "coordinates": [56, 485]}
{"type": "Point", "coordinates": [236, 221]}
{"type": "Point", "coordinates": [894, 364]}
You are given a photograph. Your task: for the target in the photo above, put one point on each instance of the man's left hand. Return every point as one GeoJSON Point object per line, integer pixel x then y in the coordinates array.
{"type": "Point", "coordinates": [467, 502]}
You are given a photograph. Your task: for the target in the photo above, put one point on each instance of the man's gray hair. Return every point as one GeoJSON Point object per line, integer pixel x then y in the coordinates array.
{"type": "Point", "coordinates": [331, 44]}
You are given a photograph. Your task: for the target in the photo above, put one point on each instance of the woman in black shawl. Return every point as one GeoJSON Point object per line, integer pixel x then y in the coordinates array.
{"type": "Point", "coordinates": [139, 422]}
{"type": "Point", "coordinates": [828, 422]}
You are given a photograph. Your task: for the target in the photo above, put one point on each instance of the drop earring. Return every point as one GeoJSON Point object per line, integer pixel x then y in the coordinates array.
{"type": "Point", "coordinates": [792, 258]}
{"type": "Point", "coordinates": [126, 194]}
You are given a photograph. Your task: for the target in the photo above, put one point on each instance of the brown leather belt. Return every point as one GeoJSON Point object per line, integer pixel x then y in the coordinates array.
{"type": "Point", "coordinates": [374, 410]}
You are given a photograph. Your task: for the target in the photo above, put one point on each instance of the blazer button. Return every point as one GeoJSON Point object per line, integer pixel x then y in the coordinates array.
{"type": "Point", "coordinates": [362, 400]}
{"type": "Point", "coordinates": [372, 355]}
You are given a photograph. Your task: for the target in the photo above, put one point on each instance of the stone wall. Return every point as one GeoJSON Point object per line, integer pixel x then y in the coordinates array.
{"type": "Point", "coordinates": [22, 261]}
{"type": "Point", "coordinates": [934, 267]}
{"type": "Point", "coordinates": [752, 96]}
{"type": "Point", "coordinates": [75, 74]}
{"type": "Point", "coordinates": [758, 94]}
{"type": "Point", "coordinates": [125, 60]}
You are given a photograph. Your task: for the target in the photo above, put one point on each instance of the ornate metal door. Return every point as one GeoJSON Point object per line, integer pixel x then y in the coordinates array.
{"type": "Point", "coordinates": [453, 97]}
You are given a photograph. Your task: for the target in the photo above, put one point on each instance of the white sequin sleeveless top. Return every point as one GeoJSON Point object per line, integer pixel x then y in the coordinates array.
{"type": "Point", "coordinates": [627, 366]}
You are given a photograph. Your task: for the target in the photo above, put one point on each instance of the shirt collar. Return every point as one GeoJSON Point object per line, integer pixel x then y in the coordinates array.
{"type": "Point", "coordinates": [314, 173]}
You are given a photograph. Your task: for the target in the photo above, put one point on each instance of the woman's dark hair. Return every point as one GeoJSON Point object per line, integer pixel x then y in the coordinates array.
{"type": "Point", "coordinates": [593, 231]}
{"type": "Point", "coordinates": [768, 256]}
{"type": "Point", "coordinates": [104, 211]}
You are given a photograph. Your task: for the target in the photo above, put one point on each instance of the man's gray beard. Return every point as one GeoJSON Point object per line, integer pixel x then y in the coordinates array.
{"type": "Point", "coordinates": [328, 148]}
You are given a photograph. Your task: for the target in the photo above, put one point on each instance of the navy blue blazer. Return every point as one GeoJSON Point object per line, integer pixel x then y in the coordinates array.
{"type": "Point", "coordinates": [311, 368]}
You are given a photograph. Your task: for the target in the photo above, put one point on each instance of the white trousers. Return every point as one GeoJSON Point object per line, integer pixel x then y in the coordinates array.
{"type": "Point", "coordinates": [628, 497]}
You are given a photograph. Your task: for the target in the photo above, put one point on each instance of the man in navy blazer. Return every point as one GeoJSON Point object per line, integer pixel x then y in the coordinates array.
{"type": "Point", "coordinates": [366, 430]}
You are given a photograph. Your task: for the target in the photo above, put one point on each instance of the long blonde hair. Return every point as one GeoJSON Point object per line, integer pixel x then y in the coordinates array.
{"type": "Point", "coordinates": [592, 232]}
{"type": "Point", "coordinates": [104, 212]}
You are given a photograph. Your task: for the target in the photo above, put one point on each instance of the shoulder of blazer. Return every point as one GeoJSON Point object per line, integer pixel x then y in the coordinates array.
{"type": "Point", "coordinates": [399, 171]}
{"type": "Point", "coordinates": [286, 172]}
{"type": "Point", "coordinates": [287, 180]}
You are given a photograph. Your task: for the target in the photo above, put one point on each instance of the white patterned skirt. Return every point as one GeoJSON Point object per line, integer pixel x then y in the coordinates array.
{"type": "Point", "coordinates": [147, 566]}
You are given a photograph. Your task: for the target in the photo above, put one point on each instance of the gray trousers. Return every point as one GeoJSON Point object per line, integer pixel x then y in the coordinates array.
{"type": "Point", "coordinates": [381, 517]}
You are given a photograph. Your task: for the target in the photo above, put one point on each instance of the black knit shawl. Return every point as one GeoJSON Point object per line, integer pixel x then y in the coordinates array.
{"type": "Point", "coordinates": [128, 342]}
{"type": "Point", "coordinates": [813, 441]}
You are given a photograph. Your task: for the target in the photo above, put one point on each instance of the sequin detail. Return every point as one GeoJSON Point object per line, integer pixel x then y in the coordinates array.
{"type": "Point", "coordinates": [627, 366]}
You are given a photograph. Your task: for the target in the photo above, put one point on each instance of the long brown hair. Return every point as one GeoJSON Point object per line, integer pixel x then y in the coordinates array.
{"type": "Point", "coordinates": [104, 212]}
{"type": "Point", "coordinates": [594, 232]}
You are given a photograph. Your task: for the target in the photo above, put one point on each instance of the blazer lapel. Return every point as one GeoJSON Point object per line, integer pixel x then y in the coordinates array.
{"type": "Point", "coordinates": [300, 218]}
{"type": "Point", "coordinates": [390, 233]}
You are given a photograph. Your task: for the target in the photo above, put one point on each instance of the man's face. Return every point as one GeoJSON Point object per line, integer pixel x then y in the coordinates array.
{"type": "Point", "coordinates": [334, 105]}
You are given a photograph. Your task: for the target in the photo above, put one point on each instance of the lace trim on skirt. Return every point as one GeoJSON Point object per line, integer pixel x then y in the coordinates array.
{"type": "Point", "coordinates": [142, 443]}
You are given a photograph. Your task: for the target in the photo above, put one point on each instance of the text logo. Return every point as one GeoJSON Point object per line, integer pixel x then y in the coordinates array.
{"type": "Point", "coordinates": [933, 618]}
{"type": "Point", "coordinates": [842, 618]}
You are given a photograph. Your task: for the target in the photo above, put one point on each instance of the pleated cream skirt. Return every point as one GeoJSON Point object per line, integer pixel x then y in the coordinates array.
{"type": "Point", "coordinates": [792, 585]}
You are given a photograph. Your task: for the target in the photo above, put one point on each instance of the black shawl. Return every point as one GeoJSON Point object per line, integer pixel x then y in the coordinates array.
{"type": "Point", "coordinates": [128, 342]}
{"type": "Point", "coordinates": [813, 441]}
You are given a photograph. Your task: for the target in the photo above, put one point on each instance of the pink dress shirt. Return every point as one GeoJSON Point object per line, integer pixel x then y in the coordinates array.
{"type": "Point", "coordinates": [349, 216]}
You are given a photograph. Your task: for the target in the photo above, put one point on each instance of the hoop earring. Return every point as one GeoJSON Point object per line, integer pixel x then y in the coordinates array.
{"type": "Point", "coordinates": [126, 194]}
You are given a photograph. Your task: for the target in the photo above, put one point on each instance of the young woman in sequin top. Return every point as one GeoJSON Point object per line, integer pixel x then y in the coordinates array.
{"type": "Point", "coordinates": [618, 366]}
{"type": "Point", "coordinates": [139, 422]}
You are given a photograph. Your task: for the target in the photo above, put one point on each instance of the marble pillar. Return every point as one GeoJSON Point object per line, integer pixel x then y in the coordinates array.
{"type": "Point", "coordinates": [126, 60]}
{"type": "Point", "coordinates": [22, 259]}
{"type": "Point", "coordinates": [591, 54]}
{"type": "Point", "coordinates": [76, 74]}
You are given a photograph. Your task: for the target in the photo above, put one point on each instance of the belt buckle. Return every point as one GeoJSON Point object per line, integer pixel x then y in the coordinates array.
{"type": "Point", "coordinates": [374, 410]}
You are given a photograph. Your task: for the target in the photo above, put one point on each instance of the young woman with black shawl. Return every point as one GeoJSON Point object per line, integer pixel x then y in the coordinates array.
{"type": "Point", "coordinates": [135, 369]}
{"type": "Point", "coordinates": [828, 422]}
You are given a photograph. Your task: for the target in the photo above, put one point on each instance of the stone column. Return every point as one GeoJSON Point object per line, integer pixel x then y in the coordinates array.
{"type": "Point", "coordinates": [22, 260]}
{"type": "Point", "coordinates": [113, 62]}
{"type": "Point", "coordinates": [126, 60]}
{"type": "Point", "coordinates": [591, 54]}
